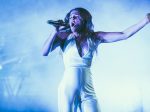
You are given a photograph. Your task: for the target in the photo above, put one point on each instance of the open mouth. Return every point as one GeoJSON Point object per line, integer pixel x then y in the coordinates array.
{"type": "Point", "coordinates": [72, 24]}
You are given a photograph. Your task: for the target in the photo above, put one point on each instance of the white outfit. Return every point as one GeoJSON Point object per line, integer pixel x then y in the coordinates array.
{"type": "Point", "coordinates": [76, 88]}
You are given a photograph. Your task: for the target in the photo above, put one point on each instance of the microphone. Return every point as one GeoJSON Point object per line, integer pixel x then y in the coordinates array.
{"type": "Point", "coordinates": [57, 23]}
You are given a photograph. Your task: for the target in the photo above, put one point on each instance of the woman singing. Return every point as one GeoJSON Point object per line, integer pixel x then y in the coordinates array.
{"type": "Point", "coordinates": [78, 44]}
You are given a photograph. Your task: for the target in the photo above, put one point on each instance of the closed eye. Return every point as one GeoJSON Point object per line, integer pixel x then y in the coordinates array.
{"type": "Point", "coordinates": [74, 17]}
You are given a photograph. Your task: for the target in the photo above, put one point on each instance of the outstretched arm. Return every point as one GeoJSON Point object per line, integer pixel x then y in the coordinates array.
{"type": "Point", "coordinates": [107, 37]}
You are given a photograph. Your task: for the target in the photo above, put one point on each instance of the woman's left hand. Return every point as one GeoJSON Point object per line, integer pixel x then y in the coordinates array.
{"type": "Point", "coordinates": [148, 17]}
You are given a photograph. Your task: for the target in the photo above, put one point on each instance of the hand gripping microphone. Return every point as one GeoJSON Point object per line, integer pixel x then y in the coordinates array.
{"type": "Point", "coordinates": [57, 23]}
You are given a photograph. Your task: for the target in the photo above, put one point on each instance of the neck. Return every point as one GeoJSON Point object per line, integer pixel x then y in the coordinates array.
{"type": "Point", "coordinates": [79, 36]}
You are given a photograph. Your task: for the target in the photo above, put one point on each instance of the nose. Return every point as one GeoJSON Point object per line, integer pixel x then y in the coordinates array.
{"type": "Point", "coordinates": [73, 17]}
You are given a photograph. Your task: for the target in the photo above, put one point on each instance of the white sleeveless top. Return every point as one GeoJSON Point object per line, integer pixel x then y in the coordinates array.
{"type": "Point", "coordinates": [71, 56]}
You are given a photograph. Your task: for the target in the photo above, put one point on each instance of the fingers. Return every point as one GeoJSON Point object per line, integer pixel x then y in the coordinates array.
{"type": "Point", "coordinates": [148, 16]}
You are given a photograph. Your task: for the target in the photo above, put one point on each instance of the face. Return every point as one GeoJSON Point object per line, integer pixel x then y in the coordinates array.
{"type": "Point", "coordinates": [76, 21]}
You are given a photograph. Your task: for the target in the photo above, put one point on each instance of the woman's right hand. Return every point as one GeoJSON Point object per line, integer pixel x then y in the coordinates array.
{"type": "Point", "coordinates": [59, 28]}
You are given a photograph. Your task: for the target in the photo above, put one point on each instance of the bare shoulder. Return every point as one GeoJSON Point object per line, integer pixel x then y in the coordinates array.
{"type": "Point", "coordinates": [99, 35]}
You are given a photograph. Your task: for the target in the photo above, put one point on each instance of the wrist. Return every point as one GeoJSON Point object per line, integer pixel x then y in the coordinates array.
{"type": "Point", "coordinates": [148, 17]}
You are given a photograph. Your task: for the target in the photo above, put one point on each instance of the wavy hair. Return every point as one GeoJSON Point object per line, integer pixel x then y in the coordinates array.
{"type": "Point", "coordinates": [85, 14]}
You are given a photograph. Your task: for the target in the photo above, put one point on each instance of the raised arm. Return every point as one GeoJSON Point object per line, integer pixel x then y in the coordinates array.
{"type": "Point", "coordinates": [56, 38]}
{"type": "Point", "coordinates": [51, 43]}
{"type": "Point", "coordinates": [107, 37]}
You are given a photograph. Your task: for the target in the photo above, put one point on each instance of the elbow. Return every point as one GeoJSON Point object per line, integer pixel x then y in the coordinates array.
{"type": "Point", "coordinates": [125, 35]}
{"type": "Point", "coordinates": [45, 53]}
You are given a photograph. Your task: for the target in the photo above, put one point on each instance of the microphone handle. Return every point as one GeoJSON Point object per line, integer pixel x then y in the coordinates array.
{"type": "Point", "coordinates": [60, 25]}
{"type": "Point", "coordinates": [56, 23]}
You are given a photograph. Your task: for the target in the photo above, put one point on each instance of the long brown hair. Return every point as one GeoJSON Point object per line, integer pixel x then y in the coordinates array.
{"type": "Point", "coordinates": [89, 27]}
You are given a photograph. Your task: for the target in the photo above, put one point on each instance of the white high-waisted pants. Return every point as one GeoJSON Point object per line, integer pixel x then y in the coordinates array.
{"type": "Point", "coordinates": [76, 90]}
